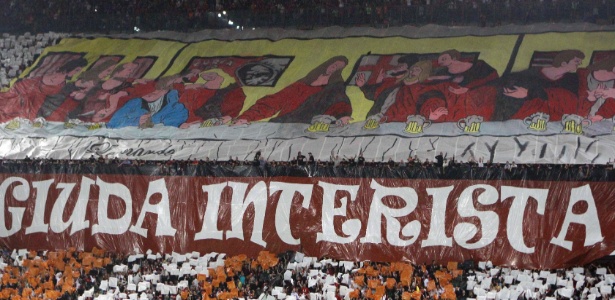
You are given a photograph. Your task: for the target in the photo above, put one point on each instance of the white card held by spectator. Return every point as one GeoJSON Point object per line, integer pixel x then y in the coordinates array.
{"type": "Point", "coordinates": [113, 282]}
{"type": "Point", "coordinates": [104, 285]}
{"type": "Point", "coordinates": [298, 257]}
{"type": "Point", "coordinates": [565, 292]}
{"type": "Point", "coordinates": [606, 290]}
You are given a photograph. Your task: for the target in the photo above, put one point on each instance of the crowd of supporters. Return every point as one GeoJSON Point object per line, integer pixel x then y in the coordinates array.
{"type": "Point", "coordinates": [17, 52]}
{"type": "Point", "coordinates": [186, 15]}
{"type": "Point", "coordinates": [71, 274]}
{"type": "Point", "coordinates": [440, 167]}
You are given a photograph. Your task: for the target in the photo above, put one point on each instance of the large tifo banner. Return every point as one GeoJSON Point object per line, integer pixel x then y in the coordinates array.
{"type": "Point", "coordinates": [532, 98]}
{"type": "Point", "coordinates": [530, 225]}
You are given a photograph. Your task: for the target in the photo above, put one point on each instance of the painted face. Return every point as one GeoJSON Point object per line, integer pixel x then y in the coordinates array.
{"type": "Point", "coordinates": [127, 70]}
{"type": "Point", "coordinates": [106, 72]}
{"type": "Point", "coordinates": [400, 67]}
{"type": "Point", "coordinates": [209, 76]}
{"type": "Point", "coordinates": [56, 78]}
{"type": "Point", "coordinates": [74, 71]}
{"type": "Point", "coordinates": [415, 71]}
{"type": "Point", "coordinates": [84, 84]}
{"type": "Point", "coordinates": [444, 60]}
{"type": "Point", "coordinates": [338, 65]}
{"type": "Point", "coordinates": [574, 64]}
{"type": "Point", "coordinates": [399, 70]}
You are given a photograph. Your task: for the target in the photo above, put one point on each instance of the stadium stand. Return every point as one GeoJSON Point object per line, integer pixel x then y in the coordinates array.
{"type": "Point", "coordinates": [18, 52]}
{"type": "Point", "coordinates": [424, 227]}
{"type": "Point", "coordinates": [71, 274]}
{"type": "Point", "coordinates": [352, 167]}
{"type": "Point", "coordinates": [188, 15]}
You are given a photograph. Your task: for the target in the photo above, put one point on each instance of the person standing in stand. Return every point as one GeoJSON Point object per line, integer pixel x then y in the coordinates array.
{"type": "Point", "coordinates": [440, 163]}
{"type": "Point", "coordinates": [300, 159]}
{"type": "Point", "coordinates": [311, 164]}
{"type": "Point", "coordinates": [257, 156]}
{"type": "Point", "coordinates": [361, 159]}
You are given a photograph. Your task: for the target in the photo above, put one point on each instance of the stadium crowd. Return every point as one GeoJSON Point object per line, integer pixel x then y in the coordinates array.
{"type": "Point", "coordinates": [301, 165]}
{"type": "Point", "coordinates": [17, 52]}
{"type": "Point", "coordinates": [71, 274]}
{"type": "Point", "coordinates": [186, 15]}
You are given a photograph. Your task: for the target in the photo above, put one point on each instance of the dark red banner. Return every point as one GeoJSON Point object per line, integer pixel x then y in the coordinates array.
{"type": "Point", "coordinates": [517, 223]}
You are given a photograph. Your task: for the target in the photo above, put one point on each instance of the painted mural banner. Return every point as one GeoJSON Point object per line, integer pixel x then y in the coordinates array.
{"type": "Point", "coordinates": [525, 224]}
{"type": "Point", "coordinates": [550, 84]}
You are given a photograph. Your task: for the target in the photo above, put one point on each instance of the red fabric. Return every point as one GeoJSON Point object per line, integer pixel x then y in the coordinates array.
{"type": "Point", "coordinates": [193, 99]}
{"type": "Point", "coordinates": [187, 194]}
{"type": "Point", "coordinates": [607, 110]}
{"type": "Point", "coordinates": [386, 84]}
{"type": "Point", "coordinates": [482, 81]}
{"type": "Point", "coordinates": [59, 115]}
{"type": "Point", "coordinates": [284, 101]}
{"type": "Point", "coordinates": [480, 102]}
{"type": "Point", "coordinates": [530, 107]}
{"type": "Point", "coordinates": [339, 109]}
{"type": "Point", "coordinates": [562, 101]}
{"type": "Point", "coordinates": [25, 98]}
{"type": "Point", "coordinates": [233, 103]}
{"type": "Point", "coordinates": [405, 103]}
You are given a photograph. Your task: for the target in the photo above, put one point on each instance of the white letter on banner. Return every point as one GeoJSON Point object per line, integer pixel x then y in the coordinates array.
{"type": "Point", "coordinates": [514, 223]}
{"type": "Point", "coordinates": [282, 212]}
{"type": "Point", "coordinates": [77, 219]}
{"type": "Point", "coordinates": [437, 233]}
{"type": "Point", "coordinates": [38, 218]}
{"type": "Point", "coordinates": [162, 211]}
{"type": "Point", "coordinates": [209, 229]}
{"type": "Point", "coordinates": [351, 227]}
{"type": "Point", "coordinates": [378, 209]}
{"type": "Point", "coordinates": [489, 220]}
{"type": "Point", "coordinates": [239, 205]}
{"type": "Point", "coordinates": [112, 226]}
{"type": "Point", "coordinates": [20, 193]}
{"type": "Point", "coordinates": [57, 224]}
{"type": "Point", "coordinates": [593, 232]}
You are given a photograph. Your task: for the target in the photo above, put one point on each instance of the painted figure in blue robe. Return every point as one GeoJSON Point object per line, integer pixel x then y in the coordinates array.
{"type": "Point", "coordinates": [161, 106]}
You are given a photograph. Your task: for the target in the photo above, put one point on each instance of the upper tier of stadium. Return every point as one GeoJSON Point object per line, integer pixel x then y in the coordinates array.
{"type": "Point", "coordinates": [191, 15]}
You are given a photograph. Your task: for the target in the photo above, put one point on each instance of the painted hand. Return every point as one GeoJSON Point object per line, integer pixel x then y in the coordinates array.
{"type": "Point", "coordinates": [360, 80]}
{"type": "Point", "coordinates": [458, 91]}
{"type": "Point", "coordinates": [239, 122]}
{"type": "Point", "coordinates": [144, 119]}
{"type": "Point", "coordinates": [436, 114]}
{"type": "Point", "coordinates": [380, 77]}
{"type": "Point", "coordinates": [343, 121]}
